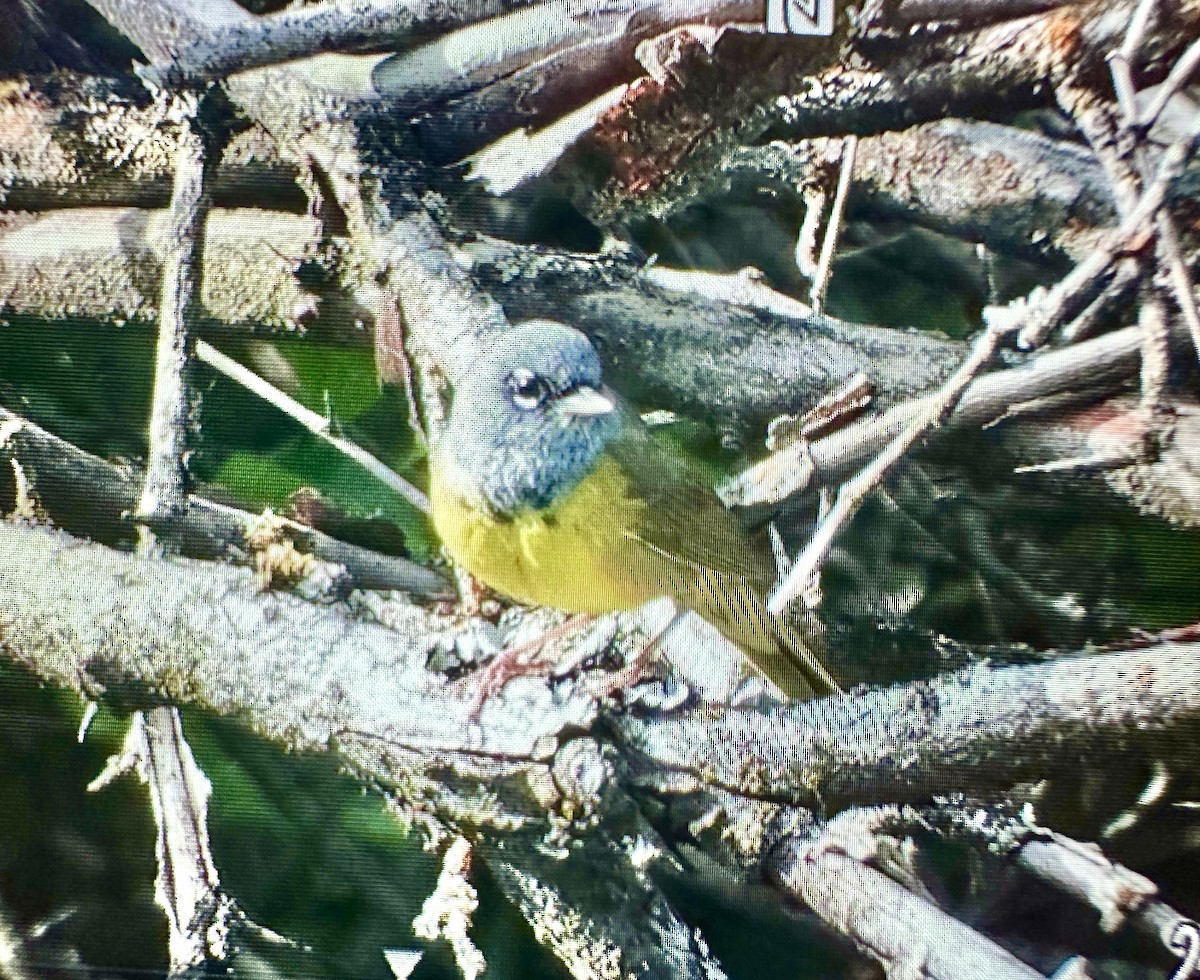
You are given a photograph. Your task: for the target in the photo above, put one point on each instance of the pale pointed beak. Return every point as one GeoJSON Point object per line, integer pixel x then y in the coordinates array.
{"type": "Point", "coordinates": [585, 402]}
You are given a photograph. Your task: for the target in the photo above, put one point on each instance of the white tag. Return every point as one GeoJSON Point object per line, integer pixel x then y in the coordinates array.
{"type": "Point", "coordinates": [800, 17]}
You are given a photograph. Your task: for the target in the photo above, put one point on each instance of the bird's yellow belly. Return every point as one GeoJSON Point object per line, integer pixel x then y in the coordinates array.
{"type": "Point", "coordinates": [574, 555]}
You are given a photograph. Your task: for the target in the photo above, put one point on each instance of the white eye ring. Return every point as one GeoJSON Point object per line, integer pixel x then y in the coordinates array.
{"type": "Point", "coordinates": [528, 390]}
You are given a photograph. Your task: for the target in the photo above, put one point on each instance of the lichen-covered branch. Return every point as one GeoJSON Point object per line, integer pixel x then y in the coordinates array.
{"type": "Point", "coordinates": [975, 732]}
{"type": "Point", "coordinates": [79, 141]}
{"type": "Point", "coordinates": [212, 54]}
{"type": "Point", "coordinates": [306, 677]}
{"type": "Point", "coordinates": [104, 264]}
{"type": "Point", "coordinates": [203, 634]}
{"type": "Point", "coordinates": [309, 678]}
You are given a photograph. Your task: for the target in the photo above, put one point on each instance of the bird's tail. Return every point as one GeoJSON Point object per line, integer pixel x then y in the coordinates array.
{"type": "Point", "coordinates": [789, 655]}
{"type": "Point", "coordinates": [804, 648]}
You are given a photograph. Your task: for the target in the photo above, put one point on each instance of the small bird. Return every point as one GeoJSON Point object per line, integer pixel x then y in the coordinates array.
{"type": "Point", "coordinates": [550, 491]}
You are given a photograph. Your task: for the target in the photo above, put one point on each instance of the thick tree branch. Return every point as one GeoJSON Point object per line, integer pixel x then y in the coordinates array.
{"type": "Point", "coordinates": [308, 678]}
{"type": "Point", "coordinates": [978, 731]}
{"type": "Point", "coordinates": [104, 264]}
{"type": "Point", "coordinates": [1013, 190]}
{"type": "Point", "coordinates": [203, 634]}
{"type": "Point", "coordinates": [75, 141]}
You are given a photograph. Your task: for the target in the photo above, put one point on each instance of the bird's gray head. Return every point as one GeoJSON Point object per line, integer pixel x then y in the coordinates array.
{"type": "Point", "coordinates": [530, 418]}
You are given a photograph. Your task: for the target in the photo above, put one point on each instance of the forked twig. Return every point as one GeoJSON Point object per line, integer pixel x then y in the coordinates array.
{"type": "Point", "coordinates": [854, 492]}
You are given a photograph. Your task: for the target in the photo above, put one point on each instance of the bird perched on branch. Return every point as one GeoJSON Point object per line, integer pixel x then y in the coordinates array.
{"type": "Point", "coordinates": [550, 491]}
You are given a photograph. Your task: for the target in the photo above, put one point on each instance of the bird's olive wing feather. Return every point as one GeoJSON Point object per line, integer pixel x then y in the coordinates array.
{"type": "Point", "coordinates": [687, 536]}
{"type": "Point", "coordinates": [683, 515]}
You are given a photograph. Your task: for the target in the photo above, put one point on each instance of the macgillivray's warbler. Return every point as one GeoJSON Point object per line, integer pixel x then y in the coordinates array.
{"type": "Point", "coordinates": [548, 490]}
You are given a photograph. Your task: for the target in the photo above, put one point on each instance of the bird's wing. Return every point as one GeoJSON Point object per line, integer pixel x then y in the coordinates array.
{"type": "Point", "coordinates": [683, 518]}
{"type": "Point", "coordinates": [686, 536]}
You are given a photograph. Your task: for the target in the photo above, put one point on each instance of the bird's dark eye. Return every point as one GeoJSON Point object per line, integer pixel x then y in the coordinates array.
{"type": "Point", "coordinates": [528, 389]}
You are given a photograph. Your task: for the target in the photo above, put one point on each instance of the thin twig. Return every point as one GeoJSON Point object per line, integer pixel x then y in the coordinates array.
{"type": "Point", "coordinates": [314, 422]}
{"type": "Point", "coordinates": [1117, 146]}
{"type": "Point", "coordinates": [833, 226]}
{"type": "Point", "coordinates": [1115, 459]}
{"type": "Point", "coordinates": [1077, 285]}
{"type": "Point", "coordinates": [853, 492]}
{"type": "Point", "coordinates": [1182, 70]}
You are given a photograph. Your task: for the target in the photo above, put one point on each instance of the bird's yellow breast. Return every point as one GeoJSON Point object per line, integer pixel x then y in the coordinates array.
{"type": "Point", "coordinates": [576, 554]}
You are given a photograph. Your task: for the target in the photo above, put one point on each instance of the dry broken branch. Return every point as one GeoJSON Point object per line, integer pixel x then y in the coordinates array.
{"type": "Point", "coordinates": [926, 76]}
